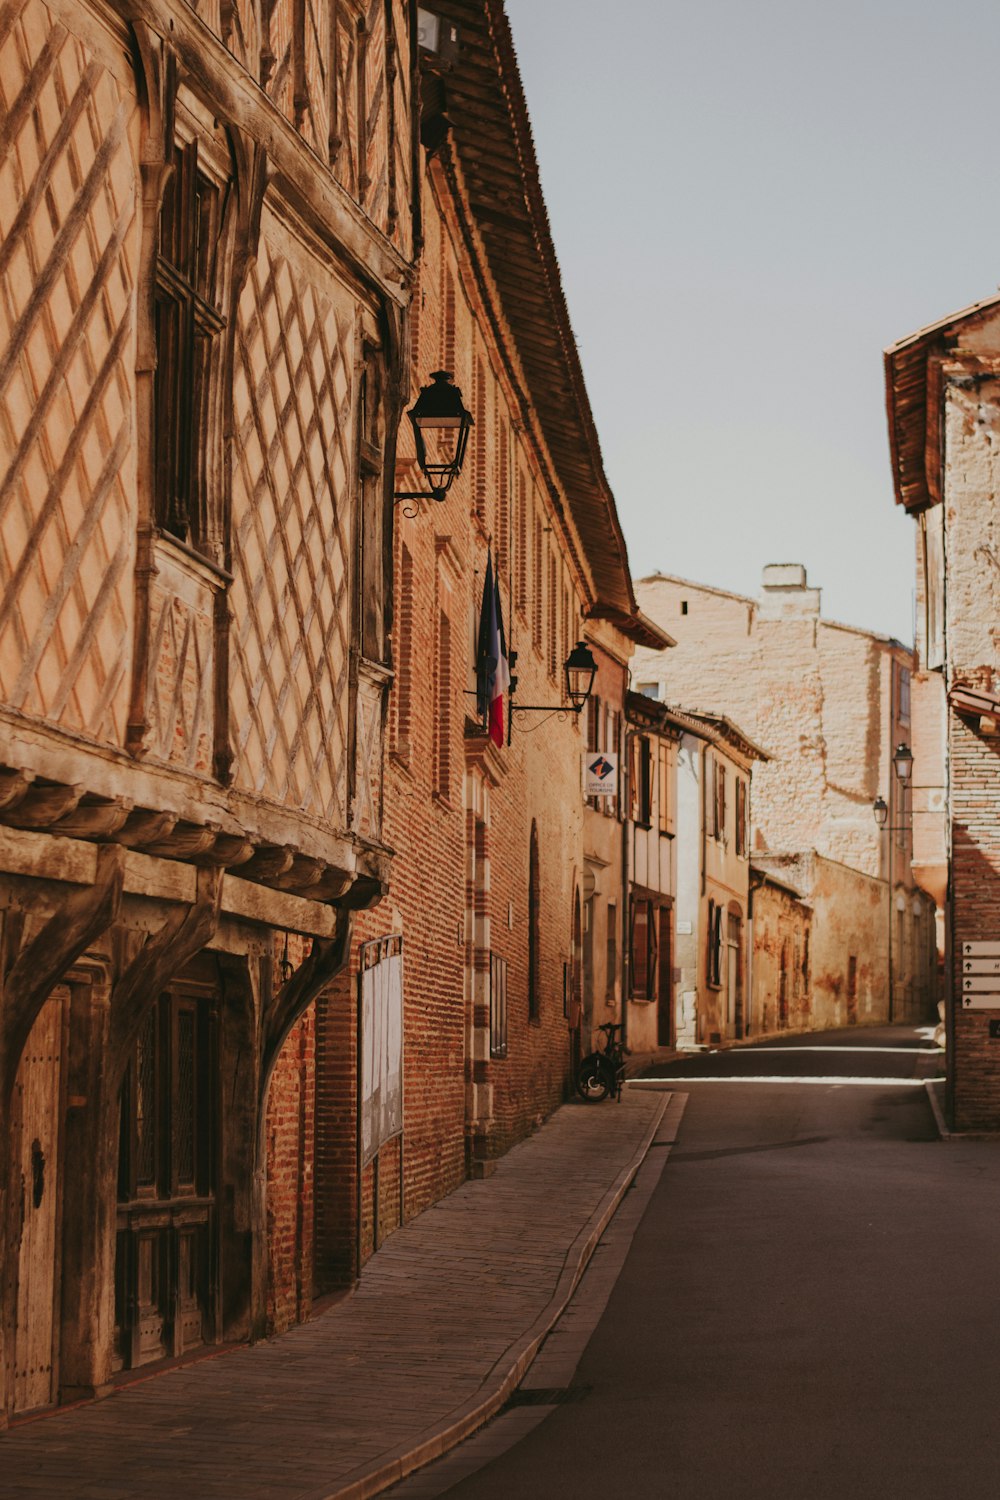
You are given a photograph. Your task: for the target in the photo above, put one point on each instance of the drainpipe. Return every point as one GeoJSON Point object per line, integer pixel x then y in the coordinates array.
{"type": "Point", "coordinates": [626, 895]}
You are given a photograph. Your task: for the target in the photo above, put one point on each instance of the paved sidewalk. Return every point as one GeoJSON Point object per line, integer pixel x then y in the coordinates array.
{"type": "Point", "coordinates": [442, 1326]}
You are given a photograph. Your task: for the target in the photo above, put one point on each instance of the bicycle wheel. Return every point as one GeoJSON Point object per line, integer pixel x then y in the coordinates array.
{"type": "Point", "coordinates": [593, 1082]}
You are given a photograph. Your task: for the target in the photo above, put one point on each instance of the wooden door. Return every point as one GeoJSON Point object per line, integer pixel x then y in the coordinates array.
{"type": "Point", "coordinates": [665, 989]}
{"type": "Point", "coordinates": [166, 1272]}
{"type": "Point", "coordinates": [36, 1119]}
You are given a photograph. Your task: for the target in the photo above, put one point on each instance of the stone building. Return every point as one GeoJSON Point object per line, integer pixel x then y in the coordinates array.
{"type": "Point", "coordinates": [715, 760]}
{"type": "Point", "coordinates": [780, 955]}
{"type": "Point", "coordinates": [490, 885]}
{"type": "Point", "coordinates": [830, 703]}
{"type": "Point", "coordinates": [620, 820]}
{"type": "Point", "coordinates": [208, 230]}
{"type": "Point", "coordinates": [943, 401]}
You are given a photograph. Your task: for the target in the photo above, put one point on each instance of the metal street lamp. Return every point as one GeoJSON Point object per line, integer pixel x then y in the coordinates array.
{"type": "Point", "coordinates": [902, 762]}
{"type": "Point", "coordinates": [579, 671]}
{"type": "Point", "coordinates": [439, 415]}
{"type": "Point", "coordinates": [880, 810]}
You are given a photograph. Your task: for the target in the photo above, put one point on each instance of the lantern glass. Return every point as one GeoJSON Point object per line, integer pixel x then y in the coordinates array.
{"type": "Point", "coordinates": [902, 760]}
{"type": "Point", "coordinates": [440, 431]}
{"type": "Point", "coordinates": [880, 811]}
{"type": "Point", "coordinates": [581, 669]}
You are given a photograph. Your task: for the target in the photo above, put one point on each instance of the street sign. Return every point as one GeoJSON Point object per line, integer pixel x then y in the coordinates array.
{"type": "Point", "coordinates": [981, 965]}
{"type": "Point", "coordinates": [982, 950]}
{"type": "Point", "coordinates": [600, 774]}
{"type": "Point", "coordinates": [981, 1002]}
{"type": "Point", "coordinates": [979, 984]}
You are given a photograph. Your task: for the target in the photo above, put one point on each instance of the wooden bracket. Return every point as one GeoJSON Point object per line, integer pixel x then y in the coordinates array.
{"type": "Point", "coordinates": [75, 924]}
{"type": "Point", "coordinates": [182, 936]}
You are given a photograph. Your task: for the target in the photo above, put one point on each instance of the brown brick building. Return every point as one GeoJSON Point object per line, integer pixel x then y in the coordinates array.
{"type": "Point", "coordinates": [943, 400]}
{"type": "Point", "coordinates": [490, 889]}
{"type": "Point", "coordinates": [207, 230]}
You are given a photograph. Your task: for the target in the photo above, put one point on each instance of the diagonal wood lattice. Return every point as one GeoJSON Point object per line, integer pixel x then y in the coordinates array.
{"type": "Point", "coordinates": [291, 595]}
{"type": "Point", "coordinates": [67, 269]}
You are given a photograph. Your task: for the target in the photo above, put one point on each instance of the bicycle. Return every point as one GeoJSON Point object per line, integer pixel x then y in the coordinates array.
{"type": "Point", "coordinates": [600, 1075]}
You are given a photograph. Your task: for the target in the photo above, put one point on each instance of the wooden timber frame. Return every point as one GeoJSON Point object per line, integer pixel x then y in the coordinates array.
{"type": "Point", "coordinates": [122, 863]}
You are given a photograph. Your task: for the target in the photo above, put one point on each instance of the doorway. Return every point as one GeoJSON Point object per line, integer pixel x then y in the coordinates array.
{"type": "Point", "coordinates": [36, 1120]}
{"type": "Point", "coordinates": [167, 1262]}
{"type": "Point", "coordinates": [665, 985]}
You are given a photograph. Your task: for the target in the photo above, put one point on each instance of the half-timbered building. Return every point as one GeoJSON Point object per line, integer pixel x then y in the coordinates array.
{"type": "Point", "coordinates": [207, 229]}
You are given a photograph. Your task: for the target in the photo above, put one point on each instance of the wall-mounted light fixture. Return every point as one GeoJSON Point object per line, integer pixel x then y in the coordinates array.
{"type": "Point", "coordinates": [902, 764]}
{"type": "Point", "coordinates": [579, 671]}
{"type": "Point", "coordinates": [439, 416]}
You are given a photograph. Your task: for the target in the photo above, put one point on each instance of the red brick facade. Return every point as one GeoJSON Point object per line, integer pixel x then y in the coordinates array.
{"type": "Point", "coordinates": [975, 906]}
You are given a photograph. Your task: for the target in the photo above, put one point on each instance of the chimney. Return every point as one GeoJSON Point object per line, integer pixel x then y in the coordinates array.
{"type": "Point", "coordinates": [785, 594]}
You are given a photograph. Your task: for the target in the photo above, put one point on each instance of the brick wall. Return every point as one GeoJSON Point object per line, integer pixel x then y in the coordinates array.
{"type": "Point", "coordinates": [458, 813]}
{"type": "Point", "coordinates": [781, 961]}
{"type": "Point", "coordinates": [290, 1131]}
{"type": "Point", "coordinates": [975, 797]}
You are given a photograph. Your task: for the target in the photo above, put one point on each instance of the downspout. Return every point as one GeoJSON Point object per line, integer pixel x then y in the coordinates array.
{"type": "Point", "coordinates": [626, 894]}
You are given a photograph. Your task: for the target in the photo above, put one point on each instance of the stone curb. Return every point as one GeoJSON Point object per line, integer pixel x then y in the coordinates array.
{"type": "Point", "coordinates": [513, 1364]}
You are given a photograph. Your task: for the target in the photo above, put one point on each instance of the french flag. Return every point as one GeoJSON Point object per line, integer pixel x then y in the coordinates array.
{"type": "Point", "coordinates": [492, 667]}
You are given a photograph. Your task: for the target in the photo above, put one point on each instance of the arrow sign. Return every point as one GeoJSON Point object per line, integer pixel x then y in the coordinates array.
{"type": "Point", "coordinates": [984, 985]}
{"type": "Point", "coordinates": [981, 1002]}
{"type": "Point", "coordinates": [981, 966]}
{"type": "Point", "coordinates": [982, 950]}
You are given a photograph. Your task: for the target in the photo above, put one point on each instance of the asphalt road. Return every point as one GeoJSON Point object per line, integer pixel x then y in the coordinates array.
{"type": "Point", "coordinates": [807, 1307]}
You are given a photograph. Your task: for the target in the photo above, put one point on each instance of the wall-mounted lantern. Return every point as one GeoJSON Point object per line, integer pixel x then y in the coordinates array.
{"type": "Point", "coordinates": [902, 761]}
{"type": "Point", "coordinates": [579, 671]}
{"type": "Point", "coordinates": [439, 415]}
{"type": "Point", "coordinates": [902, 764]}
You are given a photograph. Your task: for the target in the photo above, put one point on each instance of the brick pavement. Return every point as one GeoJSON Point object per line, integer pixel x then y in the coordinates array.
{"type": "Point", "coordinates": [444, 1322]}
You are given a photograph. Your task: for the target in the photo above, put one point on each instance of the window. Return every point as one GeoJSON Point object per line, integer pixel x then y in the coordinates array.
{"type": "Point", "coordinates": [720, 800]}
{"type": "Point", "coordinates": [522, 543]}
{"type": "Point", "coordinates": [611, 955]}
{"type": "Point", "coordinates": [498, 1006]}
{"type": "Point", "coordinates": [643, 949]}
{"type": "Point", "coordinates": [903, 686]}
{"type": "Point", "coordinates": [640, 780]}
{"type": "Point", "coordinates": [371, 530]}
{"type": "Point", "coordinates": [448, 321]}
{"type": "Point", "coordinates": [932, 533]}
{"type": "Point", "coordinates": [534, 929]}
{"type": "Point", "coordinates": [684, 606]}
{"type": "Point", "coordinates": [186, 328]}
{"type": "Point", "coordinates": [536, 585]}
{"type": "Point", "coordinates": [713, 974]}
{"type": "Point", "coordinates": [611, 723]}
{"type": "Point", "coordinates": [479, 441]}
{"type": "Point", "coordinates": [503, 498]}
{"type": "Point", "coordinates": [665, 791]}
{"type": "Point", "coordinates": [648, 689]}
{"type": "Point", "coordinates": [553, 617]}
{"type": "Point", "coordinates": [442, 729]}
{"type": "Point", "coordinates": [742, 828]}
{"type": "Point", "coordinates": [404, 657]}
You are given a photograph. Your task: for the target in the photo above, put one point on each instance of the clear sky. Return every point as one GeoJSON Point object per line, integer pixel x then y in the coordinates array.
{"type": "Point", "coordinates": [749, 200]}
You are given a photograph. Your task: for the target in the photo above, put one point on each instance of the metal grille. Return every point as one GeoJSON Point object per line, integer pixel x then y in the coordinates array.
{"type": "Point", "coordinates": [184, 1110]}
{"type": "Point", "coordinates": [498, 1006]}
{"type": "Point", "coordinates": [145, 1101]}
